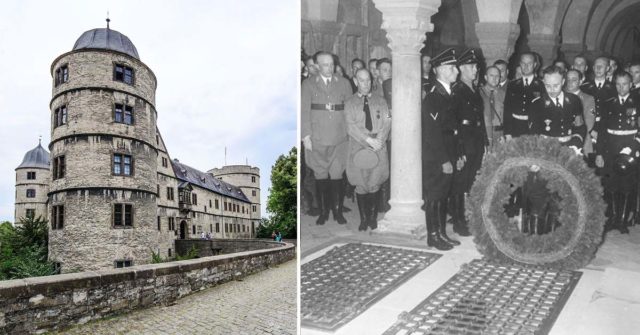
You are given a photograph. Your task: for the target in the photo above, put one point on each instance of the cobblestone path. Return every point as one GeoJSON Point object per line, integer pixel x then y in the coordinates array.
{"type": "Point", "coordinates": [262, 303]}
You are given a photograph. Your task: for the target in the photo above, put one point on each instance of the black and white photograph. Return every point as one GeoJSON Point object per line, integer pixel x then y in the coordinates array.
{"type": "Point", "coordinates": [469, 167]}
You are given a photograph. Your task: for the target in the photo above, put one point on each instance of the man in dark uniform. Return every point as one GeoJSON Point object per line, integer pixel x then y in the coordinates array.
{"type": "Point", "coordinates": [427, 78]}
{"type": "Point", "coordinates": [441, 152]}
{"type": "Point", "coordinates": [473, 133]}
{"type": "Point", "coordinates": [519, 94]}
{"type": "Point", "coordinates": [559, 115]}
{"type": "Point", "coordinates": [618, 144]}
{"type": "Point", "coordinates": [324, 135]}
{"type": "Point", "coordinates": [556, 113]}
{"type": "Point", "coordinates": [599, 87]}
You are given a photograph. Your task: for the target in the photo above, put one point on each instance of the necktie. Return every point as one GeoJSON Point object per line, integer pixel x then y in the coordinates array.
{"type": "Point", "coordinates": [557, 102]}
{"type": "Point", "coordinates": [621, 101]}
{"type": "Point", "coordinates": [367, 113]}
{"type": "Point", "coordinates": [599, 85]}
{"type": "Point", "coordinates": [526, 81]}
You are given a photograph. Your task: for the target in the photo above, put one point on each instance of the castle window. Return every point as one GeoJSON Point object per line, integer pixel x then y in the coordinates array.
{"type": "Point", "coordinates": [122, 215]}
{"type": "Point", "coordinates": [122, 165]}
{"type": "Point", "coordinates": [217, 227]}
{"type": "Point", "coordinates": [217, 204]}
{"type": "Point", "coordinates": [172, 224]}
{"type": "Point", "coordinates": [159, 223]}
{"type": "Point", "coordinates": [58, 167]}
{"type": "Point", "coordinates": [31, 193]}
{"type": "Point", "coordinates": [60, 116]}
{"type": "Point", "coordinates": [170, 193]}
{"type": "Point", "coordinates": [57, 217]}
{"type": "Point", "coordinates": [253, 179]}
{"type": "Point", "coordinates": [193, 229]}
{"type": "Point", "coordinates": [194, 198]}
{"type": "Point", "coordinates": [226, 227]}
{"type": "Point", "coordinates": [123, 263]}
{"type": "Point", "coordinates": [254, 208]}
{"type": "Point", "coordinates": [31, 212]}
{"type": "Point", "coordinates": [169, 252]}
{"type": "Point", "coordinates": [123, 114]}
{"type": "Point", "coordinates": [253, 193]}
{"type": "Point", "coordinates": [210, 203]}
{"type": "Point", "coordinates": [62, 74]}
{"type": "Point", "coordinates": [211, 228]}
{"type": "Point", "coordinates": [31, 175]}
{"type": "Point", "coordinates": [205, 209]}
{"type": "Point", "coordinates": [165, 162]}
{"type": "Point", "coordinates": [158, 187]}
{"type": "Point", "coordinates": [225, 206]}
{"type": "Point", "coordinates": [123, 73]}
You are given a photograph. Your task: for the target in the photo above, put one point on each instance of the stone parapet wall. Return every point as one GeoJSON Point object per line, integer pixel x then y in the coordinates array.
{"type": "Point", "coordinates": [36, 305]}
{"type": "Point", "coordinates": [223, 246]}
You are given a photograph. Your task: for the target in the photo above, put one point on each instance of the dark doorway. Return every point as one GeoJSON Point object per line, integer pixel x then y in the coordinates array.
{"type": "Point", "coordinates": [183, 230]}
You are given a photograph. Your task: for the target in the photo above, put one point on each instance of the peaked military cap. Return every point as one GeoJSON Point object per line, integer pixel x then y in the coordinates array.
{"type": "Point", "coordinates": [447, 57]}
{"type": "Point", "coordinates": [468, 57]}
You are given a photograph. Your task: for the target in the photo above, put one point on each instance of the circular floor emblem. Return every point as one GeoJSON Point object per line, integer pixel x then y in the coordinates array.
{"type": "Point", "coordinates": [536, 202]}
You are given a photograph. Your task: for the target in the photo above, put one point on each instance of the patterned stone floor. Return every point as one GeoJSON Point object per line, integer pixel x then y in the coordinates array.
{"type": "Point", "coordinates": [263, 303]}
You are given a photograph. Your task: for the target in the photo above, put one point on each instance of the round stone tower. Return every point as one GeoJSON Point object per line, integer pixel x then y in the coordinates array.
{"type": "Point", "coordinates": [102, 201]}
{"type": "Point", "coordinates": [32, 184]}
{"type": "Point", "coordinates": [247, 178]}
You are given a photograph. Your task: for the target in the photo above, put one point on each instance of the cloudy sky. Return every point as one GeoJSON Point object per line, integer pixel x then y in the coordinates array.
{"type": "Point", "coordinates": [227, 76]}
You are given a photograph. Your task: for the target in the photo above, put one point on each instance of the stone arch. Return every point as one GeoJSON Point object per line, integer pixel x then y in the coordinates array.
{"type": "Point", "coordinates": [619, 21]}
{"type": "Point", "coordinates": [184, 229]}
{"type": "Point", "coordinates": [574, 25]}
{"type": "Point", "coordinates": [595, 23]}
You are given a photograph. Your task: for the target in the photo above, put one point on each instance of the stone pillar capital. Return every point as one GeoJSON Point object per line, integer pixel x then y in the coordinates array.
{"type": "Point", "coordinates": [546, 45]}
{"type": "Point", "coordinates": [497, 39]}
{"type": "Point", "coordinates": [406, 23]}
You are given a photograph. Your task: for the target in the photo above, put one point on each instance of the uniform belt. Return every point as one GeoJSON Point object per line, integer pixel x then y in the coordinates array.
{"type": "Point", "coordinates": [521, 117]}
{"type": "Point", "coordinates": [328, 107]}
{"type": "Point", "coordinates": [564, 139]}
{"type": "Point", "coordinates": [622, 132]}
{"type": "Point", "coordinates": [471, 123]}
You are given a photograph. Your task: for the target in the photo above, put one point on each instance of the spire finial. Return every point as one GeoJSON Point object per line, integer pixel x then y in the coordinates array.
{"type": "Point", "coordinates": [108, 20]}
{"type": "Point", "coordinates": [39, 139]}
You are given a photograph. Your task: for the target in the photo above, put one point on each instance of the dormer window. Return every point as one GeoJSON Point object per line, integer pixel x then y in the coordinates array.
{"type": "Point", "coordinates": [123, 73]}
{"type": "Point", "coordinates": [62, 75]}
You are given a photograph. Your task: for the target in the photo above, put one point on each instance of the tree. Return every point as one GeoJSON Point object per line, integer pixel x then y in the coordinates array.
{"type": "Point", "coordinates": [23, 249]}
{"type": "Point", "coordinates": [283, 197]}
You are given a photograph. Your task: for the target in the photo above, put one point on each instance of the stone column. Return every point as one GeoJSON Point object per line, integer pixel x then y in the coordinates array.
{"type": "Point", "coordinates": [546, 45]}
{"type": "Point", "coordinates": [406, 23]}
{"type": "Point", "coordinates": [497, 39]}
{"type": "Point", "coordinates": [497, 28]}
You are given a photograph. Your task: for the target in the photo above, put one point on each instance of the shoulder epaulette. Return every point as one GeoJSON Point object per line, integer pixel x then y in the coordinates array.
{"type": "Point", "coordinates": [612, 99]}
{"type": "Point", "coordinates": [534, 99]}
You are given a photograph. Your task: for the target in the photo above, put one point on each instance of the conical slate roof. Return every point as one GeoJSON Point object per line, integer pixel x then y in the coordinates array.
{"type": "Point", "coordinates": [37, 157]}
{"type": "Point", "coordinates": [105, 38]}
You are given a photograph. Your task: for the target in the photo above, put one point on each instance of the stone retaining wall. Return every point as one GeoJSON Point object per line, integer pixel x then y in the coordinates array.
{"type": "Point", "coordinates": [222, 246]}
{"type": "Point", "coordinates": [36, 305]}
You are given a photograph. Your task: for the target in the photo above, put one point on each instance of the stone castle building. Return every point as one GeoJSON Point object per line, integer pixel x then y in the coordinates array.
{"type": "Point", "coordinates": [109, 188]}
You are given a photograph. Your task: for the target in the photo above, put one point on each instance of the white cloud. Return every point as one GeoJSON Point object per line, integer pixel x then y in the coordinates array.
{"type": "Point", "coordinates": [227, 75]}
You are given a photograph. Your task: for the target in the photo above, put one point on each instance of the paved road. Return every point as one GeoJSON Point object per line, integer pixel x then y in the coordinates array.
{"type": "Point", "coordinates": [263, 303]}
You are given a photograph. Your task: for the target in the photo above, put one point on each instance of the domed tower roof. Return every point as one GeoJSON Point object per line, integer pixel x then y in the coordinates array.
{"type": "Point", "coordinates": [105, 38]}
{"type": "Point", "coordinates": [35, 158]}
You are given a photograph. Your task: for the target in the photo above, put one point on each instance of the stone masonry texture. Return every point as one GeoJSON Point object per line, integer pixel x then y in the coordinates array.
{"type": "Point", "coordinates": [37, 305]}
{"type": "Point", "coordinates": [263, 303]}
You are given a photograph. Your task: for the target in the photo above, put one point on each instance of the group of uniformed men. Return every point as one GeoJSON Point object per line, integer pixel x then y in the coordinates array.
{"type": "Point", "coordinates": [348, 128]}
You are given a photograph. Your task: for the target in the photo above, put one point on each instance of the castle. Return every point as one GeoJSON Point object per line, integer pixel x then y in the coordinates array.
{"type": "Point", "coordinates": [109, 189]}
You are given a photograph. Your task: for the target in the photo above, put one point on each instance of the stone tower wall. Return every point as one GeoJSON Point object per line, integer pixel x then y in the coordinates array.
{"type": "Point", "coordinates": [241, 176]}
{"type": "Point", "coordinates": [40, 184]}
{"type": "Point", "coordinates": [89, 139]}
